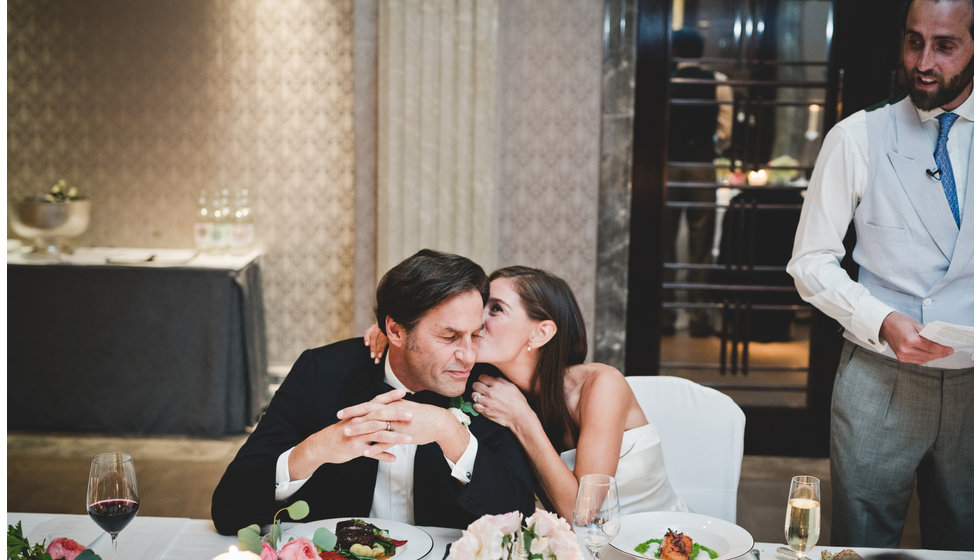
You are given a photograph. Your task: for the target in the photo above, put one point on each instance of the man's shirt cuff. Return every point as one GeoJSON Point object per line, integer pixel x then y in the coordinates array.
{"type": "Point", "coordinates": [462, 470]}
{"type": "Point", "coordinates": [285, 487]}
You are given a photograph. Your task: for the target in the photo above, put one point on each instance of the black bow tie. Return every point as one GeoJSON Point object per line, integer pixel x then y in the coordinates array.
{"type": "Point", "coordinates": [429, 397]}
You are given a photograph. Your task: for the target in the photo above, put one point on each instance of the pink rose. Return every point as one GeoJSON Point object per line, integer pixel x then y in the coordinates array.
{"type": "Point", "coordinates": [64, 548]}
{"type": "Point", "coordinates": [298, 549]}
{"type": "Point", "coordinates": [566, 549]}
{"type": "Point", "coordinates": [547, 524]}
{"type": "Point", "coordinates": [468, 546]}
{"type": "Point", "coordinates": [268, 553]}
{"type": "Point", "coordinates": [506, 522]}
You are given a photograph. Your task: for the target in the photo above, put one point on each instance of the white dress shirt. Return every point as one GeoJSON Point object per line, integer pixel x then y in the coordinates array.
{"type": "Point", "coordinates": [393, 487]}
{"type": "Point", "coordinates": [839, 179]}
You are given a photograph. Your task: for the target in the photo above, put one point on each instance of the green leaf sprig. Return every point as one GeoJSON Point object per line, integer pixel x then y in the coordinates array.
{"type": "Point", "coordinates": [465, 406]}
{"type": "Point", "coordinates": [250, 538]}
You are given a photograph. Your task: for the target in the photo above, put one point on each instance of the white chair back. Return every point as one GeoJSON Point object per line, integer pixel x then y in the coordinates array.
{"type": "Point", "coordinates": [702, 434]}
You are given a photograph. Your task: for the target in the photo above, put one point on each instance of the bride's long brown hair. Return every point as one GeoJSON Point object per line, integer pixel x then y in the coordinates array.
{"type": "Point", "coordinates": [548, 297]}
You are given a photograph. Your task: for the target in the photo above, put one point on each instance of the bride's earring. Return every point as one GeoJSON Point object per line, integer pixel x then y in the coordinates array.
{"type": "Point", "coordinates": [528, 346]}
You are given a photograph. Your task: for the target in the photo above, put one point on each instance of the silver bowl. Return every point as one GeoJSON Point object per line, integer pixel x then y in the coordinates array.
{"type": "Point", "coordinates": [49, 225]}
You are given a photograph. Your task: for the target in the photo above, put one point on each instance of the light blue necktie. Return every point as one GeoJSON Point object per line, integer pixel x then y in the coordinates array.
{"type": "Point", "coordinates": [945, 168]}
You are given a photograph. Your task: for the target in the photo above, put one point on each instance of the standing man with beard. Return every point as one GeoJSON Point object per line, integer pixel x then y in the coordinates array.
{"type": "Point", "coordinates": [902, 410]}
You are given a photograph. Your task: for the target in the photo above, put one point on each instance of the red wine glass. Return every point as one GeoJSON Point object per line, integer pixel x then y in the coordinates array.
{"type": "Point", "coordinates": [113, 499]}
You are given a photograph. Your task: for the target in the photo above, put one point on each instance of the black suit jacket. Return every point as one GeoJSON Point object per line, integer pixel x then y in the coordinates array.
{"type": "Point", "coordinates": [325, 380]}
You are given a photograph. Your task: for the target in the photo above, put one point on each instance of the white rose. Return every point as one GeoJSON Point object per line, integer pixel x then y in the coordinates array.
{"type": "Point", "coordinates": [463, 418]}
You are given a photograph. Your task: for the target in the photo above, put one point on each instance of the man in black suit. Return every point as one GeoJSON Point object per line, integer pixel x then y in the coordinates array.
{"type": "Point", "coordinates": [408, 460]}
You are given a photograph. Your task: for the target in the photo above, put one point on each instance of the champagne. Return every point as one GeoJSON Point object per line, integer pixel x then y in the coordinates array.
{"type": "Point", "coordinates": [802, 523]}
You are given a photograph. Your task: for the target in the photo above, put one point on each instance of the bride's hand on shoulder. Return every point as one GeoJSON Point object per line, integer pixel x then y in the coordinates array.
{"type": "Point", "coordinates": [501, 401]}
{"type": "Point", "coordinates": [376, 341]}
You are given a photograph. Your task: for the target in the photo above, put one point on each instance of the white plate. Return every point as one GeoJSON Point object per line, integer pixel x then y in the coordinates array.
{"type": "Point", "coordinates": [419, 542]}
{"type": "Point", "coordinates": [727, 539]}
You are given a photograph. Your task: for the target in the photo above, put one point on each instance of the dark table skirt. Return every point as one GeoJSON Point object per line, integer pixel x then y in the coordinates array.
{"type": "Point", "coordinates": [135, 349]}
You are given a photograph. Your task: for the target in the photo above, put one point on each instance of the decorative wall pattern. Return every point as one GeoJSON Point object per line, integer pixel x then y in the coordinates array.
{"type": "Point", "coordinates": [144, 104]}
{"type": "Point", "coordinates": [551, 80]}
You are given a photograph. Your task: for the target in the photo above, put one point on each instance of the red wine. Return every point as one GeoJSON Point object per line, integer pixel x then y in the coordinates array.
{"type": "Point", "coordinates": [113, 515]}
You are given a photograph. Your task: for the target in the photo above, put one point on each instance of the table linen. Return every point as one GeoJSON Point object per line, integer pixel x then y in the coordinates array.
{"type": "Point", "coordinates": [169, 538]}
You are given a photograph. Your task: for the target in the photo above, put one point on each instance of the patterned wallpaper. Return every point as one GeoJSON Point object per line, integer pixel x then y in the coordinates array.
{"type": "Point", "coordinates": [144, 103]}
{"type": "Point", "coordinates": [551, 51]}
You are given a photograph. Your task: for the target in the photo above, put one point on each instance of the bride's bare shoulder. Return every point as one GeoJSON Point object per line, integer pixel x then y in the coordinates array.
{"type": "Point", "coordinates": [598, 374]}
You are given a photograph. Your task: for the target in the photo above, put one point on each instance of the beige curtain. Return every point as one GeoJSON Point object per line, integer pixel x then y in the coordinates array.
{"type": "Point", "coordinates": [437, 128]}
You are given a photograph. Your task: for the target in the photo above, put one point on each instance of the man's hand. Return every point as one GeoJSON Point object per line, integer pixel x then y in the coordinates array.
{"type": "Point", "coordinates": [339, 443]}
{"type": "Point", "coordinates": [901, 332]}
{"type": "Point", "coordinates": [422, 423]}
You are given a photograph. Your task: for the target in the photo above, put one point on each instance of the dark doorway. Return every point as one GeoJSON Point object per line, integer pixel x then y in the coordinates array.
{"type": "Point", "coordinates": [726, 134]}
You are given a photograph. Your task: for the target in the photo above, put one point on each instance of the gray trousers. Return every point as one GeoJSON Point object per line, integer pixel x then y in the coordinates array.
{"type": "Point", "coordinates": [895, 427]}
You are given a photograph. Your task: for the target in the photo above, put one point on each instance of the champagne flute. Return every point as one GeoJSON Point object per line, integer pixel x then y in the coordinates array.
{"type": "Point", "coordinates": [112, 499]}
{"type": "Point", "coordinates": [803, 514]}
{"type": "Point", "coordinates": [596, 515]}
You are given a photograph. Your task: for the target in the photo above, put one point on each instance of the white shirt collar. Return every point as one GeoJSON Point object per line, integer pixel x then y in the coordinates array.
{"type": "Point", "coordinates": [964, 110]}
{"type": "Point", "coordinates": [392, 379]}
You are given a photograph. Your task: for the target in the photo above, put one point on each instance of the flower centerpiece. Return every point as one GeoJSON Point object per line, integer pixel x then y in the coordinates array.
{"type": "Point", "coordinates": [542, 536]}
{"type": "Point", "coordinates": [19, 548]}
{"type": "Point", "coordinates": [267, 547]}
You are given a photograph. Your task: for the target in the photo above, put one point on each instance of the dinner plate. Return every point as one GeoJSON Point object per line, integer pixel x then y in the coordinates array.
{"type": "Point", "coordinates": [727, 539]}
{"type": "Point", "coordinates": [419, 542]}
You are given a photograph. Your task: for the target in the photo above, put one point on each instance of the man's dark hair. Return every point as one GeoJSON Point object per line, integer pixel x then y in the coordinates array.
{"type": "Point", "coordinates": [423, 281]}
{"type": "Point", "coordinates": [687, 43]}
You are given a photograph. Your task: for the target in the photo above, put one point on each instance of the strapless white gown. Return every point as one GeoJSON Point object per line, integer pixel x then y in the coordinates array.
{"type": "Point", "coordinates": [641, 476]}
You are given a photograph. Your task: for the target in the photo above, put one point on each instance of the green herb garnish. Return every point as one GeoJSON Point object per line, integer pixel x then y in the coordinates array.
{"type": "Point", "coordinates": [696, 549]}
{"type": "Point", "coordinates": [643, 547]}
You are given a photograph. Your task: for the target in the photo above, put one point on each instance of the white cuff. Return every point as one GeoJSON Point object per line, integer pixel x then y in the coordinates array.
{"type": "Point", "coordinates": [462, 470]}
{"type": "Point", "coordinates": [866, 322]}
{"type": "Point", "coordinates": [285, 487]}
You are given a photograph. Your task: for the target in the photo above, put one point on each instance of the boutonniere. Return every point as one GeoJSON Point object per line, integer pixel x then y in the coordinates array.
{"type": "Point", "coordinates": [460, 408]}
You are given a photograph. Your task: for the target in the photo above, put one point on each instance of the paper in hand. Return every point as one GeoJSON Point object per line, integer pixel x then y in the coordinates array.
{"type": "Point", "coordinates": [959, 337]}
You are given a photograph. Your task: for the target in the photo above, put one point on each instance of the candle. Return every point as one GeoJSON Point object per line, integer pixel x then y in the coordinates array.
{"type": "Point", "coordinates": [758, 178]}
{"type": "Point", "coordinates": [235, 554]}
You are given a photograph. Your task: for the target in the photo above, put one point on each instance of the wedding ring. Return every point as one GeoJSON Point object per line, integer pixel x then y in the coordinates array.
{"type": "Point", "coordinates": [388, 425]}
{"type": "Point", "coordinates": [476, 397]}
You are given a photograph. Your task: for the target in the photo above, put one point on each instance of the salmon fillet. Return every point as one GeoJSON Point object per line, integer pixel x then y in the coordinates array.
{"type": "Point", "coordinates": [676, 546]}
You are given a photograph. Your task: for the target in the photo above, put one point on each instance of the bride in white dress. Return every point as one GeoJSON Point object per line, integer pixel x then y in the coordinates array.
{"type": "Point", "coordinates": [572, 418]}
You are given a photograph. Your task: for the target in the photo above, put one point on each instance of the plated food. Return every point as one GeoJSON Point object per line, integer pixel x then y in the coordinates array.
{"type": "Point", "coordinates": [417, 544]}
{"type": "Point", "coordinates": [673, 546]}
{"type": "Point", "coordinates": [357, 540]}
{"type": "Point", "coordinates": [708, 535]}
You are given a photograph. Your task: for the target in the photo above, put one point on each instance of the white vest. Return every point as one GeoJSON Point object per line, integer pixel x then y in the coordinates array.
{"type": "Point", "coordinates": [910, 253]}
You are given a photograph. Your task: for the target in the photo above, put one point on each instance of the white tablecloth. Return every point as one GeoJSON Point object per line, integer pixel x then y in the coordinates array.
{"type": "Point", "coordinates": [130, 256]}
{"type": "Point", "coordinates": [169, 538]}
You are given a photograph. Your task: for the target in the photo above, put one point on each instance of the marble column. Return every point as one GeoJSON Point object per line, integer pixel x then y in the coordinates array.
{"type": "Point", "coordinates": [618, 72]}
